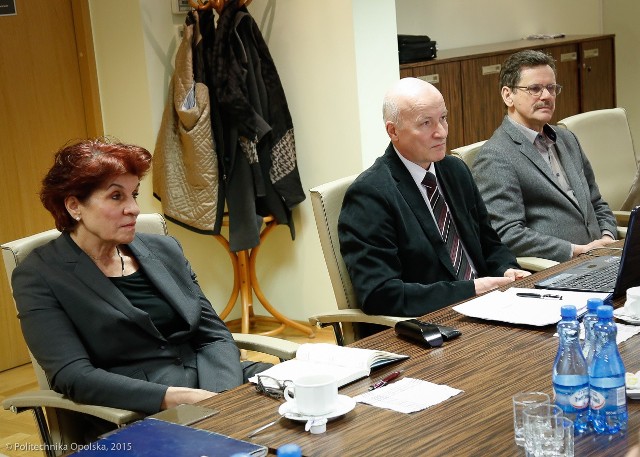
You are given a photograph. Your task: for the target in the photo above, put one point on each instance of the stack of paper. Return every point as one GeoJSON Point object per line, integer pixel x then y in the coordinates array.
{"type": "Point", "coordinates": [407, 395]}
{"type": "Point", "coordinates": [510, 306]}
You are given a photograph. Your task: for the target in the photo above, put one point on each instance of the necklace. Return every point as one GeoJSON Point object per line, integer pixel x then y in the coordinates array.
{"type": "Point", "coordinates": [121, 259]}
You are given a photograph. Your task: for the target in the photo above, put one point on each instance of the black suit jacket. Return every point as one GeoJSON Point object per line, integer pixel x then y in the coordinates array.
{"type": "Point", "coordinates": [97, 348]}
{"type": "Point", "coordinates": [391, 245]}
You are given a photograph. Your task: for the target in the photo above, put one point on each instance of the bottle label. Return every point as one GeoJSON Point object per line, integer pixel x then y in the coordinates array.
{"type": "Point", "coordinates": [608, 400]}
{"type": "Point", "coordinates": [571, 398]}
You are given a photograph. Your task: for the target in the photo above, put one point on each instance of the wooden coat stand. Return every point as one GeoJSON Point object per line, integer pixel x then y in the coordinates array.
{"type": "Point", "coordinates": [245, 283]}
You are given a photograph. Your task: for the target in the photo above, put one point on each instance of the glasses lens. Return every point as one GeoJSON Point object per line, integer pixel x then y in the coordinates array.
{"type": "Point", "coordinates": [271, 386]}
{"type": "Point", "coordinates": [535, 89]}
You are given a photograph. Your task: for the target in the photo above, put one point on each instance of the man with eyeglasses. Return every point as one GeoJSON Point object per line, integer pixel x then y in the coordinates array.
{"type": "Point", "coordinates": [538, 185]}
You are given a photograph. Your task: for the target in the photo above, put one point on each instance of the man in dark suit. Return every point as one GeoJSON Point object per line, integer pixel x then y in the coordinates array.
{"type": "Point", "coordinates": [537, 183]}
{"type": "Point", "coordinates": [400, 260]}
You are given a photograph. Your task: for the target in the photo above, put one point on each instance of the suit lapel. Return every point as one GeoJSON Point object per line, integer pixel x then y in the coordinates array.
{"type": "Point", "coordinates": [573, 175]}
{"type": "Point", "coordinates": [166, 284]}
{"type": "Point", "coordinates": [528, 150]}
{"type": "Point", "coordinates": [533, 155]}
{"type": "Point", "coordinates": [412, 196]}
{"type": "Point", "coordinates": [90, 275]}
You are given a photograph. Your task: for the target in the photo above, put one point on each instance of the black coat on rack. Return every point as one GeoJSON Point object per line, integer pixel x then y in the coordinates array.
{"type": "Point", "coordinates": [255, 133]}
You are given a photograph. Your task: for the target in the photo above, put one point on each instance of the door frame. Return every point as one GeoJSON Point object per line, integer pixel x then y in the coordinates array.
{"type": "Point", "coordinates": [88, 69]}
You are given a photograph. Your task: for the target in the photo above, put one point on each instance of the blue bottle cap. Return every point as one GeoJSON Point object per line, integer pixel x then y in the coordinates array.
{"type": "Point", "coordinates": [593, 303]}
{"type": "Point", "coordinates": [605, 312]}
{"type": "Point", "coordinates": [568, 312]}
{"type": "Point", "coordinates": [289, 450]}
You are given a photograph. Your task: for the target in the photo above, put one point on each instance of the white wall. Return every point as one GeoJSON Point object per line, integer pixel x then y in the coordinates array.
{"type": "Point", "coordinates": [334, 82]}
{"type": "Point", "coordinates": [621, 18]}
{"type": "Point", "coordinates": [458, 23]}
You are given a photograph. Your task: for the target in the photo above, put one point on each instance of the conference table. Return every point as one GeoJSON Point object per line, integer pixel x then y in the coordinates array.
{"type": "Point", "coordinates": [490, 363]}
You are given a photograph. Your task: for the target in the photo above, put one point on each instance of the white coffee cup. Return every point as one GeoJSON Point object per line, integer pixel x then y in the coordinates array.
{"type": "Point", "coordinates": [632, 305]}
{"type": "Point", "coordinates": [313, 395]}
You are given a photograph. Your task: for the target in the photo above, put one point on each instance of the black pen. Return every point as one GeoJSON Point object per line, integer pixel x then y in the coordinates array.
{"type": "Point", "coordinates": [386, 380]}
{"type": "Point", "coordinates": [534, 295]}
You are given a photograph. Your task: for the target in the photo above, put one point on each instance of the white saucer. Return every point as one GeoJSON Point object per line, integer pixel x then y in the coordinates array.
{"type": "Point", "coordinates": [633, 393]}
{"type": "Point", "coordinates": [345, 404]}
{"type": "Point", "coordinates": [629, 319]}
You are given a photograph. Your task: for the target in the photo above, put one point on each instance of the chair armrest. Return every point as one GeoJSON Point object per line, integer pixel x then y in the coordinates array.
{"type": "Point", "coordinates": [622, 217]}
{"type": "Point", "coordinates": [622, 233]}
{"type": "Point", "coordinates": [277, 347]}
{"type": "Point", "coordinates": [50, 399]}
{"type": "Point", "coordinates": [535, 263]}
{"type": "Point", "coordinates": [354, 315]}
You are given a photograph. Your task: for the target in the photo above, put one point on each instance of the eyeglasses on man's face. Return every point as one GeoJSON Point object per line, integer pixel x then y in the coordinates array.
{"type": "Point", "coordinates": [536, 90]}
{"type": "Point", "coordinates": [271, 387]}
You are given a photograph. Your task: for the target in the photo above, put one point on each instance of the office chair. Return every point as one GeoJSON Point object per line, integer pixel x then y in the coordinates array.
{"type": "Point", "coordinates": [326, 200]}
{"type": "Point", "coordinates": [468, 155]}
{"type": "Point", "coordinates": [606, 140]}
{"type": "Point", "coordinates": [58, 423]}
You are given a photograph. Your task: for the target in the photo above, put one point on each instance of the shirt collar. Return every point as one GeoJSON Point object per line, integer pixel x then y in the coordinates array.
{"type": "Point", "coordinates": [416, 171]}
{"type": "Point", "coordinates": [549, 132]}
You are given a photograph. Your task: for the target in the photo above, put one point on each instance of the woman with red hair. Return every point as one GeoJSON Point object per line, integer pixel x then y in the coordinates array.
{"type": "Point", "coordinates": [115, 317]}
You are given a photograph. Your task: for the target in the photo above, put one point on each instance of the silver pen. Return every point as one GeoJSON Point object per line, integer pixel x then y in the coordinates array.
{"type": "Point", "coordinates": [534, 295]}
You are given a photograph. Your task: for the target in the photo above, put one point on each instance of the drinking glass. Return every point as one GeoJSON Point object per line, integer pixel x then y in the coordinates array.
{"type": "Point", "coordinates": [520, 402]}
{"type": "Point", "coordinates": [547, 432]}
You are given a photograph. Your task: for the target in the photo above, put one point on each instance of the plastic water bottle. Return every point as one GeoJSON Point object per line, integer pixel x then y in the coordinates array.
{"type": "Point", "coordinates": [289, 450]}
{"type": "Point", "coordinates": [608, 405]}
{"type": "Point", "coordinates": [570, 373]}
{"type": "Point", "coordinates": [589, 319]}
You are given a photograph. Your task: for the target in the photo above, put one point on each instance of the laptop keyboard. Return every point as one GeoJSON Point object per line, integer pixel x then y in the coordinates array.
{"type": "Point", "coordinates": [600, 279]}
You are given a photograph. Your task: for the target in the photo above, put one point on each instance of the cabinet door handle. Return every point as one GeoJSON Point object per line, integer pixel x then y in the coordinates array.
{"type": "Point", "coordinates": [433, 79]}
{"type": "Point", "coordinates": [491, 69]}
{"type": "Point", "coordinates": [589, 53]}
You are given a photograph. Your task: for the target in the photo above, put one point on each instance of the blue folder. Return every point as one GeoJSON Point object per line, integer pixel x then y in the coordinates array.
{"type": "Point", "coordinates": [157, 438]}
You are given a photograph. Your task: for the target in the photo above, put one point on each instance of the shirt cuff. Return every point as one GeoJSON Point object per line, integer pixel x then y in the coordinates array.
{"type": "Point", "coordinates": [608, 233]}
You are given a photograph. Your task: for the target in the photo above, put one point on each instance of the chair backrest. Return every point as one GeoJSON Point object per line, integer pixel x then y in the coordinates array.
{"type": "Point", "coordinates": [326, 200]}
{"type": "Point", "coordinates": [14, 252]}
{"type": "Point", "coordinates": [606, 140]}
{"type": "Point", "coordinates": [469, 152]}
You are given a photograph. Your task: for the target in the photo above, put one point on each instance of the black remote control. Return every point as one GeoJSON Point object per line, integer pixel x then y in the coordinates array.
{"type": "Point", "coordinates": [425, 332]}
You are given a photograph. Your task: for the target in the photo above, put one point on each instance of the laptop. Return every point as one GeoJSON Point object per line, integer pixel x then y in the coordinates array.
{"type": "Point", "coordinates": [608, 274]}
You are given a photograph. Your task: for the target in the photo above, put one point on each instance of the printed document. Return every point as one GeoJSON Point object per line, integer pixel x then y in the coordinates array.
{"type": "Point", "coordinates": [407, 395]}
{"type": "Point", "coordinates": [535, 309]}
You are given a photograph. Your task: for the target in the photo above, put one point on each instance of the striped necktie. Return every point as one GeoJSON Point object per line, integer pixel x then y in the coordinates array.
{"type": "Point", "coordinates": [447, 229]}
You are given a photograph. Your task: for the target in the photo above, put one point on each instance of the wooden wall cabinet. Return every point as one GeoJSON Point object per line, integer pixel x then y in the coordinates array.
{"type": "Point", "coordinates": [469, 79]}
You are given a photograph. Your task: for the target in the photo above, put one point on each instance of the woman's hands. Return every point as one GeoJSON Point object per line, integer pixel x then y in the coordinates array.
{"type": "Point", "coordinates": [184, 395]}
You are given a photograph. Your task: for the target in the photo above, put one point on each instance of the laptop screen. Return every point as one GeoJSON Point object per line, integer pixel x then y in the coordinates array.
{"type": "Point", "coordinates": [598, 274]}
{"type": "Point", "coordinates": [629, 273]}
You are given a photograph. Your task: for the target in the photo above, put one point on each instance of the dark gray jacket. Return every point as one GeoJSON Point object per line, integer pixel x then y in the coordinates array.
{"type": "Point", "coordinates": [97, 348]}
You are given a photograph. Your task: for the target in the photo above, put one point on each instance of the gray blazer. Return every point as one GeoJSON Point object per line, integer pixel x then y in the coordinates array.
{"type": "Point", "coordinates": [528, 209]}
{"type": "Point", "coordinates": [97, 348]}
